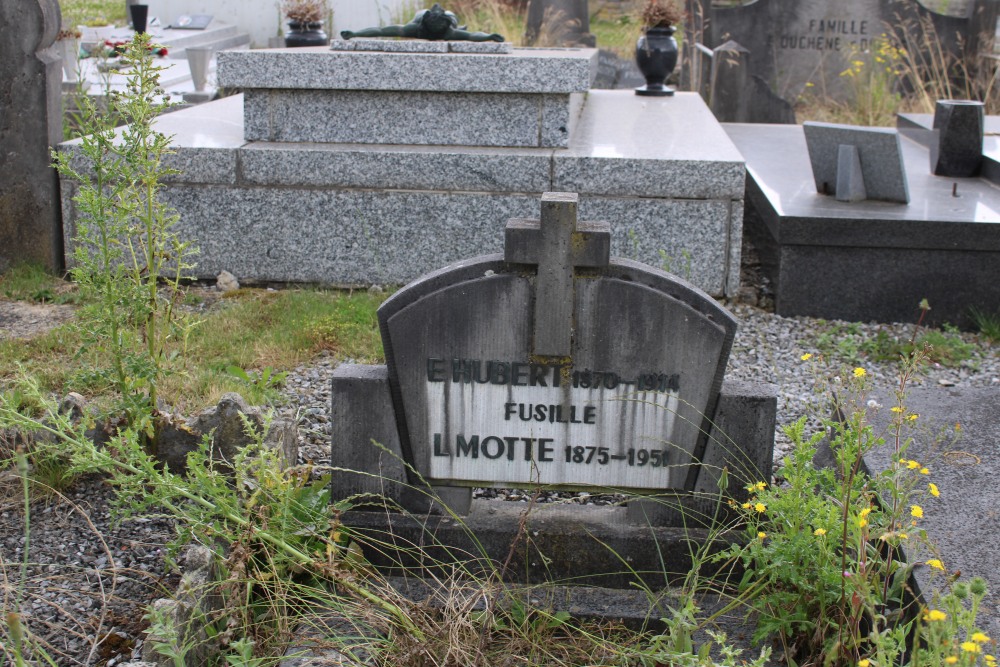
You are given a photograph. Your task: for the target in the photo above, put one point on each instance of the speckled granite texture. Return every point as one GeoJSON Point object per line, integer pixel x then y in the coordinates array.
{"type": "Point", "coordinates": [418, 46]}
{"type": "Point", "coordinates": [361, 237]}
{"type": "Point", "coordinates": [661, 172]}
{"type": "Point", "coordinates": [319, 68]}
{"type": "Point", "coordinates": [414, 118]}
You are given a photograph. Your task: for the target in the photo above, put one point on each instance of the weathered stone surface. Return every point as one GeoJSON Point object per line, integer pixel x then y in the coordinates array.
{"type": "Point", "coordinates": [30, 124]}
{"type": "Point", "coordinates": [231, 425]}
{"type": "Point", "coordinates": [196, 597]}
{"type": "Point", "coordinates": [795, 43]}
{"type": "Point", "coordinates": [956, 437]}
{"type": "Point", "coordinates": [475, 376]}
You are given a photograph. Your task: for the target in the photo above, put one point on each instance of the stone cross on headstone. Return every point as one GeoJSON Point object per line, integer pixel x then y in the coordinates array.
{"type": "Point", "coordinates": [556, 244]}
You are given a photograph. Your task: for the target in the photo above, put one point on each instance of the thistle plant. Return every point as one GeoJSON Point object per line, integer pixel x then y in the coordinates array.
{"type": "Point", "coordinates": [125, 243]}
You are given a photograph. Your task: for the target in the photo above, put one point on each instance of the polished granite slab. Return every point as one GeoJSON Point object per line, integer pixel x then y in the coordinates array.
{"type": "Point", "coordinates": [869, 260]}
{"type": "Point", "coordinates": [661, 172]}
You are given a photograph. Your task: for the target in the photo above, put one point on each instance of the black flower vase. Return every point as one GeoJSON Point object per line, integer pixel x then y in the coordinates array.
{"type": "Point", "coordinates": [138, 14]}
{"type": "Point", "coordinates": [306, 34]}
{"type": "Point", "coordinates": [656, 56]}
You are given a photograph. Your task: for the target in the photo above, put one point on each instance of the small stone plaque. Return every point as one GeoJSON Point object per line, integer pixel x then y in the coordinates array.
{"type": "Point", "coordinates": [879, 155]}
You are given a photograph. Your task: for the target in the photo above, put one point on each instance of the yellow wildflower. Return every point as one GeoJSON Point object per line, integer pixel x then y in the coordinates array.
{"type": "Point", "coordinates": [760, 508]}
{"type": "Point", "coordinates": [935, 615]}
{"type": "Point", "coordinates": [925, 471]}
{"type": "Point", "coordinates": [808, 355]}
{"type": "Point", "coordinates": [760, 486]}
{"type": "Point", "coordinates": [865, 512]}
{"type": "Point", "coordinates": [932, 487]}
{"type": "Point", "coordinates": [912, 465]}
{"type": "Point", "coordinates": [819, 532]}
{"type": "Point", "coordinates": [761, 535]}
{"type": "Point", "coordinates": [745, 506]}
{"type": "Point", "coordinates": [860, 372]}
{"type": "Point", "coordinates": [896, 409]}
{"type": "Point", "coordinates": [904, 536]}
{"type": "Point", "coordinates": [951, 659]}
{"type": "Point", "coordinates": [864, 662]}
{"type": "Point", "coordinates": [979, 638]}
{"type": "Point", "coordinates": [970, 647]}
{"type": "Point", "coordinates": [916, 511]}
{"type": "Point", "coordinates": [936, 564]}
{"type": "Point", "coordinates": [913, 417]}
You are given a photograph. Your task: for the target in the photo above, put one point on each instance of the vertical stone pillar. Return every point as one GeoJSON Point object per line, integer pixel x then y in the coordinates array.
{"type": "Point", "coordinates": [30, 124]}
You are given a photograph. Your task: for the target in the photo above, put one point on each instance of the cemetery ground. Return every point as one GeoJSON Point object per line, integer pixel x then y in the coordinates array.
{"type": "Point", "coordinates": [819, 546]}
{"type": "Point", "coordinates": [84, 581]}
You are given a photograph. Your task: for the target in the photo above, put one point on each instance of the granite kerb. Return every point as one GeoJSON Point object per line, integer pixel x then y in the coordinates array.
{"type": "Point", "coordinates": [319, 68]}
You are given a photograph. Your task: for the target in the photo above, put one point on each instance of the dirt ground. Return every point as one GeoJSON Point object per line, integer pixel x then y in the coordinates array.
{"type": "Point", "coordinates": [19, 319]}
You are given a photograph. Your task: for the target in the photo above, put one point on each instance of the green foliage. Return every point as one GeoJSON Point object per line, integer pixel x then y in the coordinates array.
{"type": "Point", "coordinates": [267, 381]}
{"type": "Point", "coordinates": [96, 12]}
{"type": "Point", "coordinates": [822, 566]}
{"type": "Point", "coordinates": [948, 634]}
{"type": "Point", "coordinates": [848, 343]}
{"type": "Point", "coordinates": [31, 282]}
{"type": "Point", "coordinates": [988, 323]}
{"type": "Point", "coordinates": [524, 618]}
{"type": "Point", "coordinates": [125, 244]}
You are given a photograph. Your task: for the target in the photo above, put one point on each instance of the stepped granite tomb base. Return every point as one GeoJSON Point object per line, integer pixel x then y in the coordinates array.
{"type": "Point", "coordinates": [870, 260]}
{"type": "Point", "coordinates": [306, 209]}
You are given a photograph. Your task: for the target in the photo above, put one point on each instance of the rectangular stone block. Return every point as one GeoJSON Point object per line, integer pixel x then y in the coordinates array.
{"type": "Point", "coordinates": [351, 237]}
{"type": "Point", "coordinates": [408, 118]}
{"type": "Point", "coordinates": [457, 168]}
{"type": "Point", "coordinates": [361, 415]}
{"type": "Point", "coordinates": [663, 147]}
{"type": "Point", "coordinates": [558, 71]}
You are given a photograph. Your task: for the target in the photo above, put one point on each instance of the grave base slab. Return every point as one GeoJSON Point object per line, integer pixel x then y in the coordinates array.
{"type": "Point", "coordinates": [368, 460]}
{"type": "Point", "coordinates": [661, 172]}
{"type": "Point", "coordinates": [869, 261]}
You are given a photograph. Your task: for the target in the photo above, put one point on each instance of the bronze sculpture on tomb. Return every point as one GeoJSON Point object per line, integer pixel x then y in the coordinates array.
{"type": "Point", "coordinates": [435, 23]}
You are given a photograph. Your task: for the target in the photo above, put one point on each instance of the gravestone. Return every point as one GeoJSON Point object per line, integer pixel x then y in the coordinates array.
{"type": "Point", "coordinates": [793, 43]}
{"type": "Point", "coordinates": [551, 365]}
{"type": "Point", "coordinates": [30, 124]}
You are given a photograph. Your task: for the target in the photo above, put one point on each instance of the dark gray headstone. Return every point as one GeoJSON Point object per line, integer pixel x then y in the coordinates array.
{"type": "Point", "coordinates": [557, 367]}
{"type": "Point", "coordinates": [794, 43]}
{"type": "Point", "coordinates": [879, 154]}
{"type": "Point", "coordinates": [30, 123]}
{"type": "Point", "coordinates": [957, 148]}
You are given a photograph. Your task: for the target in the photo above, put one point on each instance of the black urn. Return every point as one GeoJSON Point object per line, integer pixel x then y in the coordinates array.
{"type": "Point", "coordinates": [306, 34]}
{"type": "Point", "coordinates": [656, 56]}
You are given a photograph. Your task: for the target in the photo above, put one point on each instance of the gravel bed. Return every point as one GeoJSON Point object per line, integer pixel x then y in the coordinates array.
{"type": "Point", "coordinates": [88, 582]}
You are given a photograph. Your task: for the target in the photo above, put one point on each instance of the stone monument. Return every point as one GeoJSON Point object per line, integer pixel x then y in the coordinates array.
{"type": "Point", "coordinates": [30, 125]}
{"type": "Point", "coordinates": [550, 365]}
{"type": "Point", "coordinates": [377, 161]}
